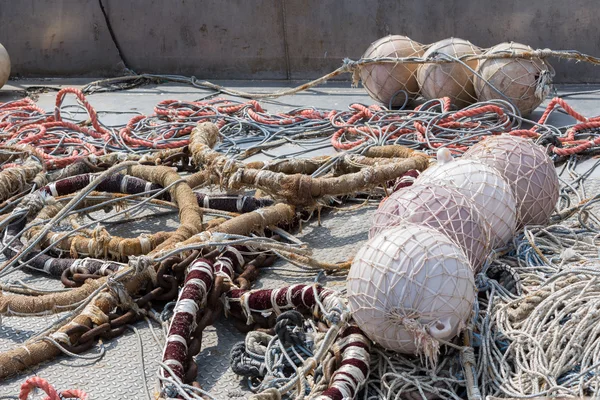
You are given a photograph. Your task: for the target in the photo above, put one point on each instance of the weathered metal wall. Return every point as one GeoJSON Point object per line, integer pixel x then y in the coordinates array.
{"type": "Point", "coordinates": [57, 38]}
{"type": "Point", "coordinates": [272, 39]}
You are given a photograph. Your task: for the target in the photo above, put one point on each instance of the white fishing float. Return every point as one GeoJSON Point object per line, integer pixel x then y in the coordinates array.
{"type": "Point", "coordinates": [452, 79]}
{"type": "Point", "coordinates": [482, 184]}
{"type": "Point", "coordinates": [409, 287]}
{"type": "Point", "coordinates": [4, 66]}
{"type": "Point", "coordinates": [387, 81]}
{"type": "Point", "coordinates": [440, 207]}
{"type": "Point", "coordinates": [528, 170]}
{"type": "Point", "coordinates": [525, 82]}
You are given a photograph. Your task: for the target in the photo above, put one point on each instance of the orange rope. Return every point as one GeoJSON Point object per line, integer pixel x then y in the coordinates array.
{"type": "Point", "coordinates": [454, 121]}
{"type": "Point", "coordinates": [62, 142]}
{"type": "Point", "coordinates": [37, 382]}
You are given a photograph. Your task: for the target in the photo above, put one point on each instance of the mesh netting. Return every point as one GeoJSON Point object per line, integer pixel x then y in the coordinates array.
{"type": "Point", "coordinates": [525, 83]}
{"type": "Point", "coordinates": [441, 208]}
{"type": "Point", "coordinates": [4, 66]}
{"type": "Point", "coordinates": [486, 187]}
{"type": "Point", "coordinates": [397, 69]}
{"type": "Point", "coordinates": [410, 286]}
{"type": "Point", "coordinates": [452, 80]}
{"type": "Point", "coordinates": [397, 376]}
{"type": "Point", "coordinates": [528, 170]}
{"type": "Point", "coordinates": [392, 84]}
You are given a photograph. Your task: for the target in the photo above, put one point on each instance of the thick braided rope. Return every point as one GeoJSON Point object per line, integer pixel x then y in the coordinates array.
{"type": "Point", "coordinates": [36, 382]}
{"type": "Point", "coordinates": [198, 282]}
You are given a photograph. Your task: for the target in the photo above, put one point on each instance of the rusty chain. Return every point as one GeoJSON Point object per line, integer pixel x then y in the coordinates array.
{"type": "Point", "coordinates": [214, 309]}
{"type": "Point", "coordinates": [170, 275]}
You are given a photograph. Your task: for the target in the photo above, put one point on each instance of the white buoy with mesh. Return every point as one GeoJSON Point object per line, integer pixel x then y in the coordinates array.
{"type": "Point", "coordinates": [440, 207]}
{"type": "Point", "coordinates": [391, 81]}
{"type": "Point", "coordinates": [453, 79]}
{"type": "Point", "coordinates": [409, 287]}
{"type": "Point", "coordinates": [4, 66]}
{"type": "Point", "coordinates": [529, 171]}
{"type": "Point", "coordinates": [524, 82]}
{"type": "Point", "coordinates": [485, 186]}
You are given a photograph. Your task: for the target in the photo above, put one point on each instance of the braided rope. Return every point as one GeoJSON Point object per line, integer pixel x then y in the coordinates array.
{"type": "Point", "coordinates": [36, 382]}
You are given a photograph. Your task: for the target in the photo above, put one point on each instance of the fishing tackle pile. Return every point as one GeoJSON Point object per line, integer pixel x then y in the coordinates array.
{"type": "Point", "coordinates": [60, 202]}
{"type": "Point", "coordinates": [410, 286]}
{"type": "Point", "coordinates": [457, 248]}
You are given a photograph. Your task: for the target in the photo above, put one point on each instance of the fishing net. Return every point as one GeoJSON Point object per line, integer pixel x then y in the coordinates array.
{"type": "Point", "coordinates": [456, 69]}
{"type": "Point", "coordinates": [63, 137]}
{"type": "Point", "coordinates": [442, 208]}
{"type": "Point", "coordinates": [453, 80]}
{"type": "Point", "coordinates": [525, 83]}
{"type": "Point", "coordinates": [528, 170]}
{"type": "Point", "coordinates": [392, 85]}
{"type": "Point", "coordinates": [484, 186]}
{"type": "Point", "coordinates": [542, 343]}
{"type": "Point", "coordinates": [410, 287]}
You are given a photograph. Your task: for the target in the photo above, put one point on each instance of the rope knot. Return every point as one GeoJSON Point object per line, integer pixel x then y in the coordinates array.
{"type": "Point", "coordinates": [101, 240]}
{"type": "Point", "coordinates": [426, 344]}
{"type": "Point", "coordinates": [244, 363]}
{"type": "Point", "coordinates": [288, 328]}
{"type": "Point", "coordinates": [543, 53]}
{"type": "Point", "coordinates": [139, 264]}
{"type": "Point", "coordinates": [234, 180]}
{"type": "Point", "coordinates": [257, 342]}
{"type": "Point", "coordinates": [352, 66]}
{"type": "Point", "coordinates": [32, 203]}
{"type": "Point", "coordinates": [349, 65]}
{"type": "Point", "coordinates": [468, 355]}
{"type": "Point", "coordinates": [170, 391]}
{"type": "Point", "coordinates": [543, 84]}
{"type": "Point", "coordinates": [118, 290]}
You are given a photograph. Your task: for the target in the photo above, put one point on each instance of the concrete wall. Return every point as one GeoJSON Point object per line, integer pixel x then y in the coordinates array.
{"type": "Point", "coordinates": [57, 38]}
{"type": "Point", "coordinates": [272, 39]}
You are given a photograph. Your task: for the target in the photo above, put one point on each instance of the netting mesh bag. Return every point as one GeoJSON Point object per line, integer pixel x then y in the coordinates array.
{"type": "Point", "coordinates": [529, 171]}
{"type": "Point", "coordinates": [442, 208]}
{"type": "Point", "coordinates": [453, 80]}
{"type": "Point", "coordinates": [486, 187]}
{"type": "Point", "coordinates": [524, 82]}
{"type": "Point", "coordinates": [4, 66]}
{"type": "Point", "coordinates": [391, 81]}
{"type": "Point", "coordinates": [409, 287]}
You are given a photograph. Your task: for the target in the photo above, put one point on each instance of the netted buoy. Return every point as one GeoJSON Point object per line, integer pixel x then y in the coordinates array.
{"type": "Point", "coordinates": [410, 286]}
{"type": "Point", "coordinates": [4, 66]}
{"type": "Point", "coordinates": [453, 80]}
{"type": "Point", "coordinates": [524, 82]}
{"type": "Point", "coordinates": [442, 208]}
{"type": "Point", "coordinates": [485, 186]}
{"type": "Point", "coordinates": [528, 170]}
{"type": "Point", "coordinates": [385, 82]}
